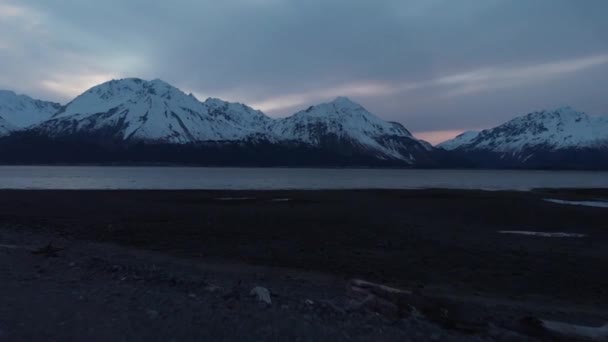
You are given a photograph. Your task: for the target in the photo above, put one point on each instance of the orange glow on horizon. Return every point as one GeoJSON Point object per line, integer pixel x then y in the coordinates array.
{"type": "Point", "coordinates": [436, 137]}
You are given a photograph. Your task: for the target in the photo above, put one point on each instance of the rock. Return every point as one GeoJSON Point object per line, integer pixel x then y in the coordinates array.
{"type": "Point", "coordinates": [48, 251]}
{"type": "Point", "coordinates": [212, 288]}
{"type": "Point", "coordinates": [152, 314]}
{"type": "Point", "coordinates": [262, 294]}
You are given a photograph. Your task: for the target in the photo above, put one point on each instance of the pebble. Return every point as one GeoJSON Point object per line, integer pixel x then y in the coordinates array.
{"type": "Point", "coordinates": [152, 314]}
{"type": "Point", "coordinates": [212, 288]}
{"type": "Point", "coordinates": [262, 294]}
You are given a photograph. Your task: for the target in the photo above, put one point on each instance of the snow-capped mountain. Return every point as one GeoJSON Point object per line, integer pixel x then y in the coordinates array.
{"type": "Point", "coordinates": [137, 121]}
{"type": "Point", "coordinates": [21, 111]}
{"type": "Point", "coordinates": [547, 138]}
{"type": "Point", "coordinates": [137, 110]}
{"type": "Point", "coordinates": [343, 123]}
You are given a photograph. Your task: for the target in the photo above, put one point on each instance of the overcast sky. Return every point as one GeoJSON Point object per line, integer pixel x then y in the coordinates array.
{"type": "Point", "coordinates": [437, 66]}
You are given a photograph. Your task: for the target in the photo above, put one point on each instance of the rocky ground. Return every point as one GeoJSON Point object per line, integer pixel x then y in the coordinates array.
{"type": "Point", "coordinates": [156, 265]}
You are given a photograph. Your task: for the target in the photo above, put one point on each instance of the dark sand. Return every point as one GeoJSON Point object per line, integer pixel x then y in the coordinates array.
{"type": "Point", "coordinates": [443, 242]}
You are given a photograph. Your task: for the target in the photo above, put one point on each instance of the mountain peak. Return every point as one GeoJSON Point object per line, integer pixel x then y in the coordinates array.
{"type": "Point", "coordinates": [558, 112]}
{"type": "Point", "coordinates": [347, 121]}
{"type": "Point", "coordinates": [561, 128]}
{"type": "Point", "coordinates": [21, 110]}
{"type": "Point", "coordinates": [345, 102]}
{"type": "Point", "coordinates": [131, 82]}
{"type": "Point", "coordinates": [565, 109]}
{"type": "Point", "coordinates": [7, 93]}
{"type": "Point", "coordinates": [157, 82]}
{"type": "Point", "coordinates": [562, 116]}
{"type": "Point", "coordinates": [136, 109]}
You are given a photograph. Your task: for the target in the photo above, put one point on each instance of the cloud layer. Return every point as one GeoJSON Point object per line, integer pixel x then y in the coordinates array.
{"type": "Point", "coordinates": [434, 65]}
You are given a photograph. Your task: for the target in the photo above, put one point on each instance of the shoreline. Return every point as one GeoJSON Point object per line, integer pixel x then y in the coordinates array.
{"type": "Point", "coordinates": [302, 245]}
{"type": "Point", "coordinates": [306, 167]}
{"type": "Point", "coordinates": [249, 226]}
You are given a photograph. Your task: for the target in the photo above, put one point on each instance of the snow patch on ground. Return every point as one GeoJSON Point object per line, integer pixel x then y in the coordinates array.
{"type": "Point", "coordinates": [597, 203]}
{"type": "Point", "coordinates": [543, 234]}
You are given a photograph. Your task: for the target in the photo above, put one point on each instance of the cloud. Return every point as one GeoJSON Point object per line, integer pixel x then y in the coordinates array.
{"type": "Point", "coordinates": [69, 85]}
{"type": "Point", "coordinates": [359, 89]}
{"type": "Point", "coordinates": [38, 60]}
{"type": "Point", "coordinates": [464, 83]}
{"type": "Point", "coordinates": [19, 15]}
{"type": "Point", "coordinates": [434, 65]}
{"type": "Point", "coordinates": [8, 10]}
{"type": "Point", "coordinates": [478, 80]}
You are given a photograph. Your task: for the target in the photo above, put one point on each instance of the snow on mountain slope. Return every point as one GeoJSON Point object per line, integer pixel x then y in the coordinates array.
{"type": "Point", "coordinates": [134, 109]}
{"type": "Point", "coordinates": [347, 122]}
{"type": "Point", "coordinates": [251, 120]}
{"type": "Point", "coordinates": [21, 111]}
{"type": "Point", "coordinates": [460, 140]}
{"type": "Point", "coordinates": [6, 127]}
{"type": "Point", "coordinates": [564, 128]}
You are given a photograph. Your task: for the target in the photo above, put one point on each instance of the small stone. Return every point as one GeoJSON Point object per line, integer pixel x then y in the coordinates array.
{"type": "Point", "coordinates": [72, 264]}
{"type": "Point", "coordinates": [152, 314]}
{"type": "Point", "coordinates": [309, 302]}
{"type": "Point", "coordinates": [262, 294]}
{"type": "Point", "coordinates": [212, 288]}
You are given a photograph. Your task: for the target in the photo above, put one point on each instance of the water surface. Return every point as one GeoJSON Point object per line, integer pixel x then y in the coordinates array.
{"type": "Point", "coordinates": [109, 177]}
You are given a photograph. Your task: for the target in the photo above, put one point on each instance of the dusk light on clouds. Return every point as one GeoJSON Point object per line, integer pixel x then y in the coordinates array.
{"type": "Point", "coordinates": [426, 64]}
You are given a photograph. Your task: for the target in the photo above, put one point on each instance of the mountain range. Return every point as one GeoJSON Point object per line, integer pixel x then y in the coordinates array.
{"type": "Point", "coordinates": [137, 121]}
{"type": "Point", "coordinates": [561, 138]}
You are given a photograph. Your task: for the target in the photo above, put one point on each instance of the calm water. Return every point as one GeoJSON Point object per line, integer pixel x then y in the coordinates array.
{"type": "Point", "coordinates": [95, 177]}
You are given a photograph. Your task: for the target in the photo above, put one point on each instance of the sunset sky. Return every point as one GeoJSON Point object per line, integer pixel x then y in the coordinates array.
{"type": "Point", "coordinates": [438, 66]}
